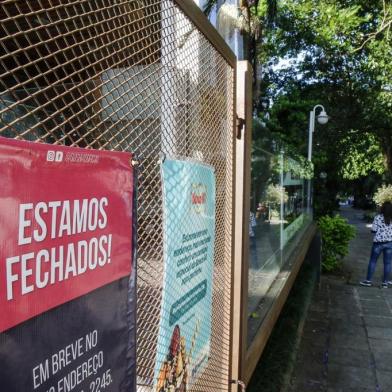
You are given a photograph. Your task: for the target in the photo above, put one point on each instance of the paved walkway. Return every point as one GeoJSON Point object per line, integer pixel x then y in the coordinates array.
{"type": "Point", "coordinates": [347, 336]}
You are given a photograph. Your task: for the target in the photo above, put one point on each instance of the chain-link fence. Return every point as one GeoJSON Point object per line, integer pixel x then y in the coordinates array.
{"type": "Point", "coordinates": [129, 75]}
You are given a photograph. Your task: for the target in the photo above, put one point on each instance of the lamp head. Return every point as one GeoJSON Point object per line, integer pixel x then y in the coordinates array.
{"type": "Point", "coordinates": [322, 118]}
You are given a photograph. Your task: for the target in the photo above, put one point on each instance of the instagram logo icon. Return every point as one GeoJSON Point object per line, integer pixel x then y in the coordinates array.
{"type": "Point", "coordinates": [50, 156]}
{"type": "Point", "coordinates": [54, 156]}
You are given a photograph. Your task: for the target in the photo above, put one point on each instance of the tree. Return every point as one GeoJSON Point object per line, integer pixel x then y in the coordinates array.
{"type": "Point", "coordinates": [337, 53]}
{"type": "Point", "coordinates": [255, 16]}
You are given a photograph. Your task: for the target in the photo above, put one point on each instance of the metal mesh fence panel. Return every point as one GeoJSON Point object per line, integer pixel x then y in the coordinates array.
{"type": "Point", "coordinates": [132, 75]}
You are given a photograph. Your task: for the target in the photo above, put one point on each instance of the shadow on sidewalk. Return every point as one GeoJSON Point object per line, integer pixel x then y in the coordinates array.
{"type": "Point", "coordinates": [346, 344]}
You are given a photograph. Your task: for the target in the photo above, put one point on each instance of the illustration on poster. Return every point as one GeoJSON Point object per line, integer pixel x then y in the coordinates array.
{"type": "Point", "coordinates": [56, 219]}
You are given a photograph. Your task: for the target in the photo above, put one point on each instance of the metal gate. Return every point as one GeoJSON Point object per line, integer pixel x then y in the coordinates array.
{"type": "Point", "coordinates": [148, 76]}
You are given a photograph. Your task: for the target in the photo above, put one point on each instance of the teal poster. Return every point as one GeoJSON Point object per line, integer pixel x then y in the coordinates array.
{"type": "Point", "coordinates": [189, 234]}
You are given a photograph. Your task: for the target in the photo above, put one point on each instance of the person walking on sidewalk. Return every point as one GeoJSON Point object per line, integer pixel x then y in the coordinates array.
{"type": "Point", "coordinates": [252, 241]}
{"type": "Point", "coordinates": [382, 243]}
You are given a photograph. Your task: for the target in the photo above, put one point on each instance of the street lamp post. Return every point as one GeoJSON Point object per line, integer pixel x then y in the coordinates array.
{"type": "Point", "coordinates": [322, 119]}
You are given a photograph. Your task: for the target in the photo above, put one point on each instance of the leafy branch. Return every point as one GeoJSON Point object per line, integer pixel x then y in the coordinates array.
{"type": "Point", "coordinates": [385, 26]}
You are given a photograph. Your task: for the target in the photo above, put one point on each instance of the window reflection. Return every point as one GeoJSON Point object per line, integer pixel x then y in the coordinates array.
{"type": "Point", "coordinates": [277, 214]}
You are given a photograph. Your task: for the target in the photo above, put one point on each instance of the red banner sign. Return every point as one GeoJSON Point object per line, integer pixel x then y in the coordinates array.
{"type": "Point", "coordinates": [65, 225]}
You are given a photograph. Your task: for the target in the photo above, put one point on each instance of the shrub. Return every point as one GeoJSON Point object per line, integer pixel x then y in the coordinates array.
{"type": "Point", "coordinates": [275, 194]}
{"type": "Point", "coordinates": [383, 194]}
{"type": "Point", "coordinates": [336, 234]}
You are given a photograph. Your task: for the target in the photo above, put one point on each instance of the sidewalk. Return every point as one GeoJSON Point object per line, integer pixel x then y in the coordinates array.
{"type": "Point", "coordinates": [346, 344]}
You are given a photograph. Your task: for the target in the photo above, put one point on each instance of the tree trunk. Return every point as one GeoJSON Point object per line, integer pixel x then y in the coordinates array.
{"type": "Point", "coordinates": [386, 145]}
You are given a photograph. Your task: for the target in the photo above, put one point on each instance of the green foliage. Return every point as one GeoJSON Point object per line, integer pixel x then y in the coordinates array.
{"type": "Point", "coordinates": [325, 202]}
{"type": "Point", "coordinates": [299, 166]}
{"type": "Point", "coordinates": [254, 315]}
{"type": "Point", "coordinates": [337, 53]}
{"type": "Point", "coordinates": [383, 194]}
{"type": "Point", "coordinates": [362, 156]}
{"type": "Point", "coordinates": [254, 12]}
{"type": "Point", "coordinates": [288, 116]}
{"type": "Point", "coordinates": [336, 234]}
{"type": "Point", "coordinates": [275, 194]}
